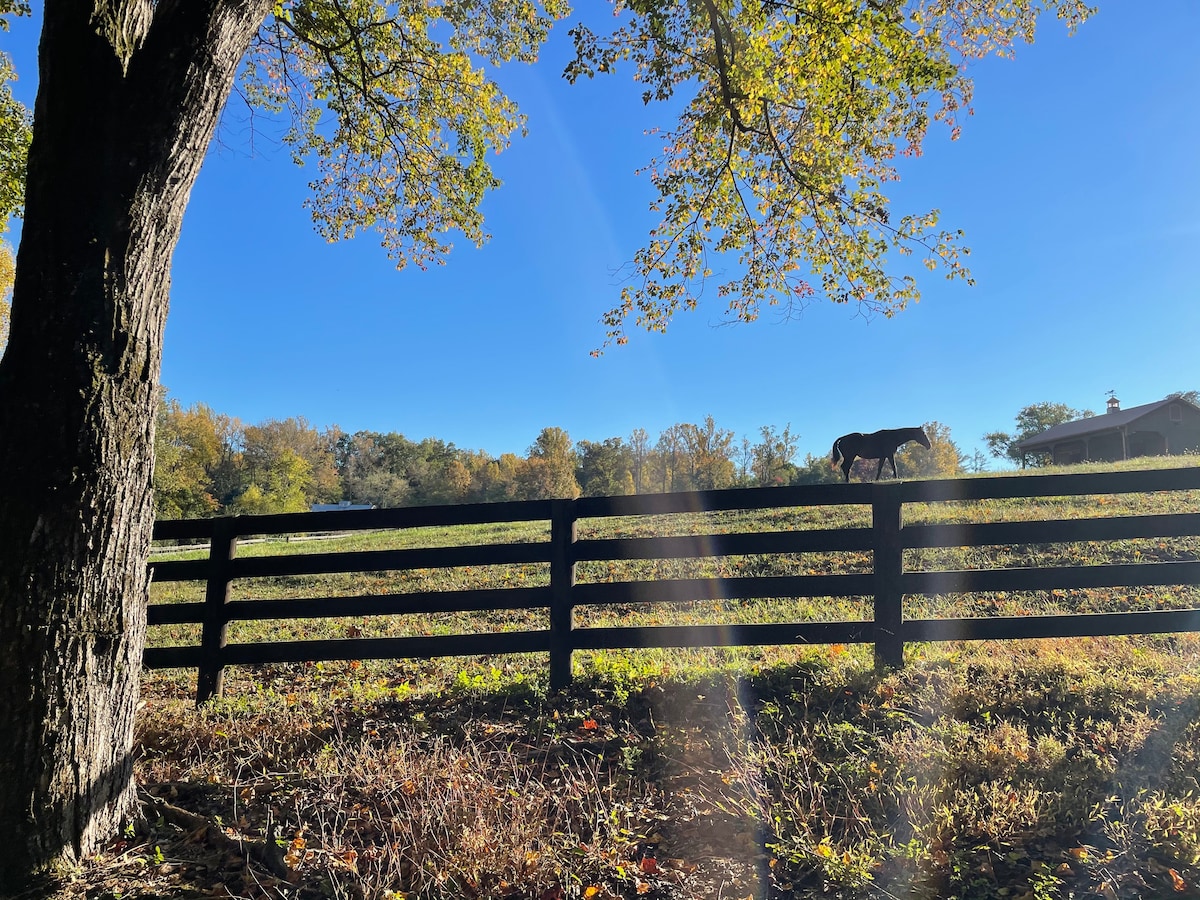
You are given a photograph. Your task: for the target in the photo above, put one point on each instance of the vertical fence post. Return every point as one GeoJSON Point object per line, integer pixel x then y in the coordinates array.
{"type": "Point", "coordinates": [563, 533]}
{"type": "Point", "coordinates": [215, 627]}
{"type": "Point", "coordinates": [888, 569]}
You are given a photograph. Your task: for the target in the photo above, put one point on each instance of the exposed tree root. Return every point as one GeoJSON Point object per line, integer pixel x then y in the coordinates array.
{"type": "Point", "coordinates": [266, 852]}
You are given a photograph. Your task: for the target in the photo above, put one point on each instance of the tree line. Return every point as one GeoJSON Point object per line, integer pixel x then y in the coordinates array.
{"type": "Point", "coordinates": [208, 463]}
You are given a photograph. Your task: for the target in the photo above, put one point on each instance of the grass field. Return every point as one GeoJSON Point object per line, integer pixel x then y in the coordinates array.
{"type": "Point", "coordinates": [1030, 769]}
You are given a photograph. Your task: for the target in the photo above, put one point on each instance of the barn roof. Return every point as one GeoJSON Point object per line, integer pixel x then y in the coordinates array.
{"type": "Point", "coordinates": [1107, 421]}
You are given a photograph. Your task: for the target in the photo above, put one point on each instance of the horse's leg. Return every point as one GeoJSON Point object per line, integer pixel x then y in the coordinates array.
{"type": "Point", "coordinates": [879, 469]}
{"type": "Point", "coordinates": [892, 459]}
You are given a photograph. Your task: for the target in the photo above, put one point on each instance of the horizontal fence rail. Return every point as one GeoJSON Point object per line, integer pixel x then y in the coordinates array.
{"type": "Point", "coordinates": [886, 584]}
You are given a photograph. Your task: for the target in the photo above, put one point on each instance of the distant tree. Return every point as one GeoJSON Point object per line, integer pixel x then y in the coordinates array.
{"type": "Point", "coordinates": [198, 460]}
{"type": "Point", "coordinates": [264, 445]}
{"type": "Point", "coordinates": [383, 489]}
{"type": "Point", "coordinates": [228, 476]}
{"type": "Point", "coordinates": [429, 472]}
{"type": "Point", "coordinates": [457, 481]}
{"type": "Point", "coordinates": [549, 471]}
{"type": "Point", "coordinates": [744, 458]}
{"type": "Point", "coordinates": [604, 468]}
{"type": "Point", "coordinates": [669, 460]}
{"type": "Point", "coordinates": [388, 469]}
{"type": "Point", "coordinates": [772, 456]}
{"type": "Point", "coordinates": [501, 478]}
{"type": "Point", "coordinates": [977, 462]}
{"type": "Point", "coordinates": [639, 456]}
{"type": "Point", "coordinates": [1192, 397]}
{"type": "Point", "coordinates": [709, 455]}
{"type": "Point", "coordinates": [477, 464]}
{"type": "Point", "coordinates": [816, 470]}
{"type": "Point", "coordinates": [393, 452]}
{"type": "Point", "coordinates": [364, 476]}
{"type": "Point", "coordinates": [943, 459]}
{"type": "Point", "coordinates": [1032, 420]}
{"type": "Point", "coordinates": [280, 484]}
{"type": "Point", "coordinates": [188, 449]}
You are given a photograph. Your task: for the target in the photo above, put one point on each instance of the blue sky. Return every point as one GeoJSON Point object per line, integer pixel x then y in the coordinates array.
{"type": "Point", "coordinates": [1077, 181]}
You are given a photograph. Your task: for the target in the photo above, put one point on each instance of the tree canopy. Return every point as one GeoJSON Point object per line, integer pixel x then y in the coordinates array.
{"type": "Point", "coordinates": [394, 104]}
{"type": "Point", "coordinates": [792, 117]}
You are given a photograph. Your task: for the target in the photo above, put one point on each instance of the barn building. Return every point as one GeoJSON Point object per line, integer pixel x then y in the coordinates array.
{"type": "Point", "coordinates": [1165, 427]}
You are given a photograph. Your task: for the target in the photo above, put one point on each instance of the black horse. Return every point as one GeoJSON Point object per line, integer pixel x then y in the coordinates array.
{"type": "Point", "coordinates": [880, 445]}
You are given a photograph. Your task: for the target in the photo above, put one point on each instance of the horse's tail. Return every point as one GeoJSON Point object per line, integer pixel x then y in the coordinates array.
{"type": "Point", "coordinates": [836, 453]}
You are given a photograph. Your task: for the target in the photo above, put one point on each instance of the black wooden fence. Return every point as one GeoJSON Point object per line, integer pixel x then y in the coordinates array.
{"type": "Point", "coordinates": [887, 538]}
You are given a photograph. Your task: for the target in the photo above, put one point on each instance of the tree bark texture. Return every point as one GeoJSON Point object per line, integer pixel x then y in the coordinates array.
{"type": "Point", "coordinates": [129, 95]}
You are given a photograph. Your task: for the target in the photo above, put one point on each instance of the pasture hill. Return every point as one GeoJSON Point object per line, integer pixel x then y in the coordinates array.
{"type": "Point", "coordinates": [1030, 769]}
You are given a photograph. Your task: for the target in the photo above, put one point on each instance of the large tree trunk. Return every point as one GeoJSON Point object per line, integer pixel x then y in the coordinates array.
{"type": "Point", "coordinates": [126, 107]}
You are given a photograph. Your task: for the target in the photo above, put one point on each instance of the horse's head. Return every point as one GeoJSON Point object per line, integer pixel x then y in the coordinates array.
{"type": "Point", "coordinates": [923, 438]}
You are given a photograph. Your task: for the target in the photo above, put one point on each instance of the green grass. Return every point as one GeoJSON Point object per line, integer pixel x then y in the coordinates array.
{"type": "Point", "coordinates": [1027, 769]}
{"type": "Point", "coordinates": [761, 610]}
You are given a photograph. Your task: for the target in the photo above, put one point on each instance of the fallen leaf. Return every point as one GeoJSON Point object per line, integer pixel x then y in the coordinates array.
{"type": "Point", "coordinates": [1177, 882]}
